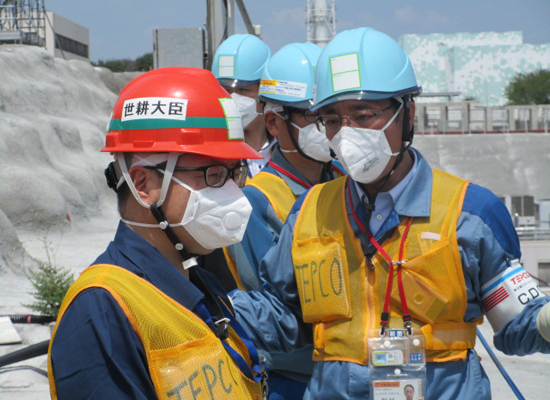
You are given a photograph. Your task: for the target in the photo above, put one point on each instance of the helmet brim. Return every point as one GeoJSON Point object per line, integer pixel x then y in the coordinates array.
{"type": "Point", "coordinates": [305, 104]}
{"type": "Point", "coordinates": [236, 83]}
{"type": "Point", "coordinates": [209, 142]}
{"type": "Point", "coordinates": [366, 95]}
{"type": "Point", "coordinates": [225, 150]}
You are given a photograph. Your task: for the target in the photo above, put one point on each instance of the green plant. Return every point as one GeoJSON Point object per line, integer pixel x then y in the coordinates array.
{"type": "Point", "coordinates": [529, 88]}
{"type": "Point", "coordinates": [145, 62]}
{"type": "Point", "coordinates": [116, 65]}
{"type": "Point", "coordinates": [50, 283]}
{"type": "Point", "coordinates": [142, 63]}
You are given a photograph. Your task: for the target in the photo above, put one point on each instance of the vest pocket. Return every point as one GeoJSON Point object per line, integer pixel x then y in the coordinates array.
{"type": "Point", "coordinates": [429, 285]}
{"type": "Point", "coordinates": [321, 270]}
{"type": "Point", "coordinates": [423, 302]}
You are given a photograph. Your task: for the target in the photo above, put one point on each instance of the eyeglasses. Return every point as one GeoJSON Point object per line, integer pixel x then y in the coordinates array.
{"type": "Point", "coordinates": [332, 123]}
{"type": "Point", "coordinates": [217, 175]}
{"type": "Point", "coordinates": [309, 116]}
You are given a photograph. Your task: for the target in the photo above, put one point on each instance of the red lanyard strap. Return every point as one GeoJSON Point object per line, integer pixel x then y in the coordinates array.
{"type": "Point", "coordinates": [385, 316]}
{"type": "Point", "coordinates": [283, 171]}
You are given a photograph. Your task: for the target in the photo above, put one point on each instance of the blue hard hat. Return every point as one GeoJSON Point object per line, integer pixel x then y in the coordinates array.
{"type": "Point", "coordinates": [289, 75]}
{"type": "Point", "coordinates": [363, 64]}
{"type": "Point", "coordinates": [240, 60]}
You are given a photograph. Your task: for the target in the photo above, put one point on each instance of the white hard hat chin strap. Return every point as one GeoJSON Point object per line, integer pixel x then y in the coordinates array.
{"type": "Point", "coordinates": [121, 160]}
{"type": "Point", "coordinates": [168, 172]}
{"type": "Point", "coordinates": [167, 177]}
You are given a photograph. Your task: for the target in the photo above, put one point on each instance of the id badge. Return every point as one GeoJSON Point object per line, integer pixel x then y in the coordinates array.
{"type": "Point", "coordinates": [397, 365]}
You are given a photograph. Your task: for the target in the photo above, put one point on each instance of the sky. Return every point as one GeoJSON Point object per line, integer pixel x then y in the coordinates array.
{"type": "Point", "coordinates": [123, 28]}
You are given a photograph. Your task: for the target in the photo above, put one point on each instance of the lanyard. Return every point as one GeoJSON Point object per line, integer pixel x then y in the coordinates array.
{"type": "Point", "coordinates": [220, 327]}
{"type": "Point", "coordinates": [254, 373]}
{"type": "Point", "coordinates": [280, 169]}
{"type": "Point", "coordinates": [301, 182]}
{"type": "Point", "coordinates": [338, 169]}
{"type": "Point", "coordinates": [384, 318]}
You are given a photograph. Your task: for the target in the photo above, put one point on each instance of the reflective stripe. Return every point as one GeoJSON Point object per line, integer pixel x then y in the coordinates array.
{"type": "Point", "coordinates": [189, 122]}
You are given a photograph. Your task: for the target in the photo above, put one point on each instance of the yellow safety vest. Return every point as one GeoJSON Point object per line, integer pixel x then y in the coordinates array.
{"type": "Point", "coordinates": [344, 299]}
{"type": "Point", "coordinates": [281, 198]}
{"type": "Point", "coordinates": [276, 190]}
{"type": "Point", "coordinates": [183, 354]}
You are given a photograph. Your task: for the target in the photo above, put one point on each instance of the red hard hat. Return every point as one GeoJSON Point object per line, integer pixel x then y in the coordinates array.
{"type": "Point", "coordinates": [176, 109]}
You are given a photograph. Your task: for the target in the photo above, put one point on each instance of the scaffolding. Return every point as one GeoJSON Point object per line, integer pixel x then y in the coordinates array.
{"type": "Point", "coordinates": [23, 22]}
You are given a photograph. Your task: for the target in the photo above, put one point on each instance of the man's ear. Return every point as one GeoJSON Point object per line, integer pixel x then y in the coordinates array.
{"type": "Point", "coordinates": [274, 123]}
{"type": "Point", "coordinates": [145, 181]}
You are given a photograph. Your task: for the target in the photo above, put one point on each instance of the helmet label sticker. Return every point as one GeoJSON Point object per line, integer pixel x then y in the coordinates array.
{"type": "Point", "coordinates": [233, 118]}
{"type": "Point", "coordinates": [345, 72]}
{"type": "Point", "coordinates": [226, 66]}
{"type": "Point", "coordinates": [154, 108]}
{"type": "Point", "coordinates": [284, 88]}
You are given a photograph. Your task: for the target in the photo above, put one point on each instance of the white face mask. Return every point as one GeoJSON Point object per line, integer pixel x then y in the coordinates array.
{"type": "Point", "coordinates": [216, 217]}
{"type": "Point", "coordinates": [247, 108]}
{"type": "Point", "coordinates": [364, 153]}
{"type": "Point", "coordinates": [313, 143]}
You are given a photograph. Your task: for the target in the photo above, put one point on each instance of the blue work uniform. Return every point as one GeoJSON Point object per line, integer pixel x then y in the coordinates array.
{"type": "Point", "coordinates": [262, 232]}
{"type": "Point", "coordinates": [264, 226]}
{"type": "Point", "coordinates": [96, 352]}
{"type": "Point", "coordinates": [487, 242]}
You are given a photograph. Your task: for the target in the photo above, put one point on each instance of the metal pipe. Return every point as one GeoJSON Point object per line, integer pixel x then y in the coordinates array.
{"type": "Point", "coordinates": [35, 350]}
{"type": "Point", "coordinates": [500, 367]}
{"type": "Point", "coordinates": [246, 18]}
{"type": "Point", "coordinates": [209, 29]}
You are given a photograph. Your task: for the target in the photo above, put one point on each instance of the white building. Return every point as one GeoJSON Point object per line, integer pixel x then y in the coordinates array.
{"type": "Point", "coordinates": [27, 22]}
{"type": "Point", "coordinates": [65, 39]}
{"type": "Point", "coordinates": [478, 65]}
